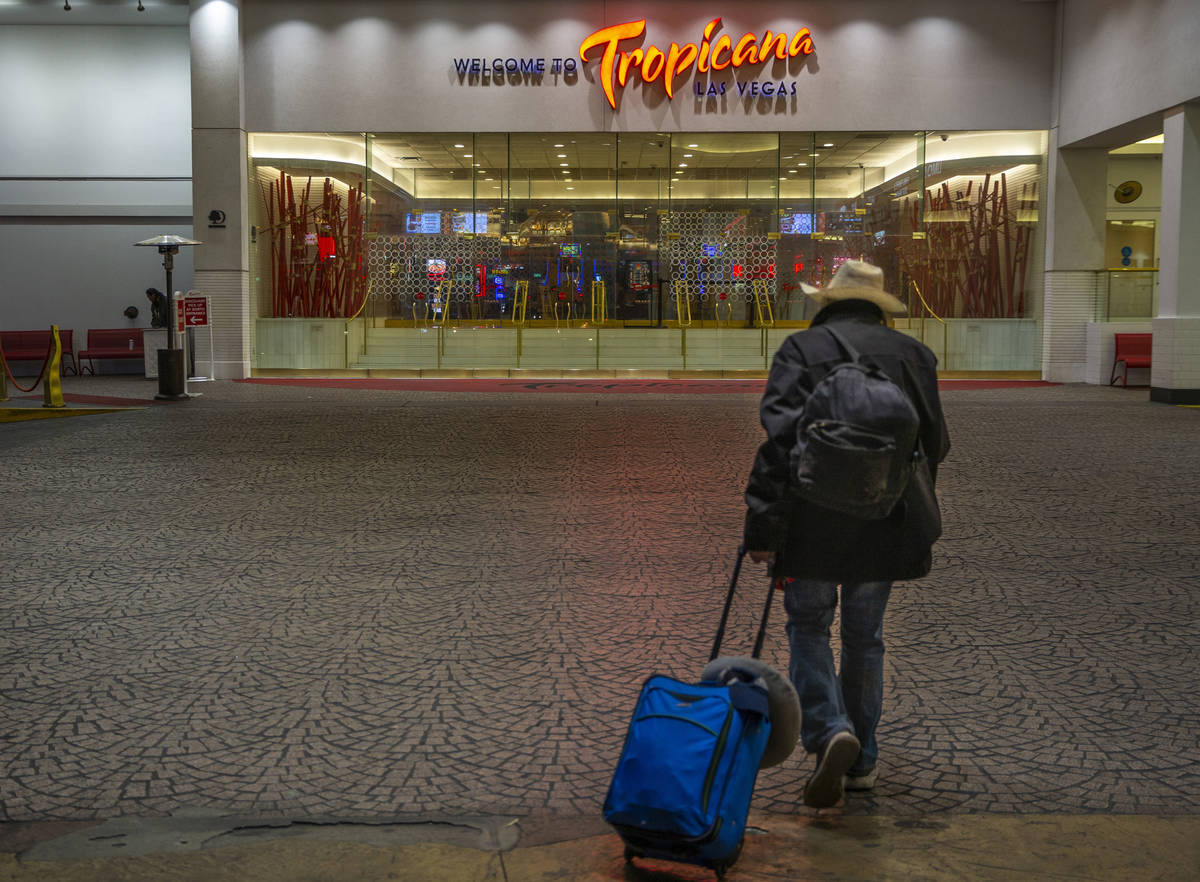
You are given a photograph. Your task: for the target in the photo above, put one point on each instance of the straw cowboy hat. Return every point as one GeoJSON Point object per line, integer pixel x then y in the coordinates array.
{"type": "Point", "coordinates": [857, 280]}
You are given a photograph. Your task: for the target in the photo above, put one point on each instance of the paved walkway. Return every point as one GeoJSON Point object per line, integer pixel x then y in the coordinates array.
{"type": "Point", "coordinates": [365, 605]}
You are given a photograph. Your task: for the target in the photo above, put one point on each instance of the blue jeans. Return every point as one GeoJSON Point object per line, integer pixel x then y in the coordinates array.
{"type": "Point", "coordinates": [852, 702]}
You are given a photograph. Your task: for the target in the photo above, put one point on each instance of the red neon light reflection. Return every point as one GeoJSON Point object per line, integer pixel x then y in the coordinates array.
{"type": "Point", "coordinates": [653, 63]}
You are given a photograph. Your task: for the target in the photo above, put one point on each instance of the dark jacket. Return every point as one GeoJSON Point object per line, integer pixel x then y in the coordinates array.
{"type": "Point", "coordinates": [814, 542]}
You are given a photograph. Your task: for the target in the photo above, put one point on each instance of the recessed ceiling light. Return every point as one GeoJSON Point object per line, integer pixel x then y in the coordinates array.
{"type": "Point", "coordinates": [460, 146]}
{"type": "Point", "coordinates": [826, 145]}
{"type": "Point", "coordinates": [802, 163]}
{"type": "Point", "coordinates": [570, 188]}
{"type": "Point", "coordinates": [466, 156]}
{"type": "Point", "coordinates": [562, 156]}
{"type": "Point", "coordinates": [563, 164]}
{"type": "Point", "coordinates": [683, 165]}
{"type": "Point", "coordinates": [558, 145]}
{"type": "Point", "coordinates": [693, 145]}
{"type": "Point", "coordinates": [687, 156]}
{"type": "Point", "coordinates": [791, 171]}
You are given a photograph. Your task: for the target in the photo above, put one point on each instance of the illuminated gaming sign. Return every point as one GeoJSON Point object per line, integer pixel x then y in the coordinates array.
{"type": "Point", "coordinates": [619, 59]}
{"type": "Point", "coordinates": [653, 63]}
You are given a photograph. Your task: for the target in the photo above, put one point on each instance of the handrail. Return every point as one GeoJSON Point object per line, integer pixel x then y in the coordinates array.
{"type": "Point", "coordinates": [424, 320]}
{"type": "Point", "coordinates": [923, 302]}
{"type": "Point", "coordinates": [521, 303]}
{"type": "Point", "coordinates": [443, 297]}
{"type": "Point", "coordinates": [680, 305]}
{"type": "Point", "coordinates": [599, 302]}
{"type": "Point", "coordinates": [346, 328]}
{"type": "Point", "coordinates": [762, 297]}
{"type": "Point", "coordinates": [366, 297]}
{"type": "Point", "coordinates": [570, 309]}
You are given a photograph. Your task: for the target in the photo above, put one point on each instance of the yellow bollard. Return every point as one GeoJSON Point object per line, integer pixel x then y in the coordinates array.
{"type": "Point", "coordinates": [52, 394]}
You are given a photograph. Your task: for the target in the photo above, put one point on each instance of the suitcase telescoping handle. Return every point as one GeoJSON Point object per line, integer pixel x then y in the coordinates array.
{"type": "Point", "coordinates": [762, 627]}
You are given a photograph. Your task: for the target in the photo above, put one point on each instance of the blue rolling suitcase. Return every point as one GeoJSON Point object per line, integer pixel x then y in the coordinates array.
{"type": "Point", "coordinates": [682, 787]}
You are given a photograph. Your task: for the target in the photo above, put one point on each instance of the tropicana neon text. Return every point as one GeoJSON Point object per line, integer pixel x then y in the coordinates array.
{"type": "Point", "coordinates": [653, 62]}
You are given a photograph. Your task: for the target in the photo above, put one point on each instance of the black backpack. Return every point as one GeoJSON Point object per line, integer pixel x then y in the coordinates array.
{"type": "Point", "coordinates": [856, 439]}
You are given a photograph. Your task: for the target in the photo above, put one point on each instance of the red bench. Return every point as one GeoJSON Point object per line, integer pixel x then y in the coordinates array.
{"type": "Point", "coordinates": [1132, 351]}
{"type": "Point", "coordinates": [34, 345]}
{"type": "Point", "coordinates": [111, 343]}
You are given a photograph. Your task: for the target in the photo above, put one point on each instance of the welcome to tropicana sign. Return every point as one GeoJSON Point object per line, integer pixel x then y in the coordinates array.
{"type": "Point", "coordinates": [620, 61]}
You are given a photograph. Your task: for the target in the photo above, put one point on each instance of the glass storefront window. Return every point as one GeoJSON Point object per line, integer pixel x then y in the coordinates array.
{"type": "Point", "coordinates": [516, 250]}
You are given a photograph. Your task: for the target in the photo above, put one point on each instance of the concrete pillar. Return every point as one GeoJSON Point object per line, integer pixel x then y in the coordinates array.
{"type": "Point", "coordinates": [1175, 370]}
{"type": "Point", "coordinates": [1075, 208]}
{"type": "Point", "coordinates": [219, 180]}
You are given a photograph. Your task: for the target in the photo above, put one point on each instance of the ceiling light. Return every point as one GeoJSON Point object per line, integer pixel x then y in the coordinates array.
{"type": "Point", "coordinates": [802, 163]}
{"type": "Point", "coordinates": [687, 156]}
{"type": "Point", "coordinates": [562, 156]}
{"type": "Point", "coordinates": [460, 146]}
{"type": "Point", "coordinates": [563, 164]}
{"type": "Point", "coordinates": [826, 145]}
{"type": "Point", "coordinates": [791, 171]}
{"type": "Point", "coordinates": [570, 188]}
{"type": "Point", "coordinates": [466, 156]}
{"type": "Point", "coordinates": [683, 165]}
{"type": "Point", "coordinates": [693, 145]}
{"type": "Point", "coordinates": [558, 145]}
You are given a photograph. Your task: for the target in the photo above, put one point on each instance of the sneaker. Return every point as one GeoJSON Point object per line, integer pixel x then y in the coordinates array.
{"type": "Point", "coordinates": [860, 780]}
{"type": "Point", "coordinates": [824, 788]}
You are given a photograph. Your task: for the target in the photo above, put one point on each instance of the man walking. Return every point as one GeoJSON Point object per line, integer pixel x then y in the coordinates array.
{"type": "Point", "coordinates": [815, 550]}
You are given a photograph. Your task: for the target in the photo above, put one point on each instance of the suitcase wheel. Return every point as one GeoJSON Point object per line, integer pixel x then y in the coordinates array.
{"type": "Point", "coordinates": [722, 867]}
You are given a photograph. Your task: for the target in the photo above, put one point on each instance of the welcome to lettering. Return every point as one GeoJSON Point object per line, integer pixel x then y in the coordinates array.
{"type": "Point", "coordinates": [652, 62]}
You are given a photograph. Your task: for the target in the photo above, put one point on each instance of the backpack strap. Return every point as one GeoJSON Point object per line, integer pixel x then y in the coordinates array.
{"type": "Point", "coordinates": [844, 343]}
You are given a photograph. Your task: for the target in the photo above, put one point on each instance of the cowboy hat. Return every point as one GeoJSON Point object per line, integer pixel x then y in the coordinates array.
{"type": "Point", "coordinates": [857, 280]}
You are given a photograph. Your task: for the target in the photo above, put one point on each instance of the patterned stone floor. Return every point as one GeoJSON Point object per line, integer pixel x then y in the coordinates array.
{"type": "Point", "coordinates": [366, 604]}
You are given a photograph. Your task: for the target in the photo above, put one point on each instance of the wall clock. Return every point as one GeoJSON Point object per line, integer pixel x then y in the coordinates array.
{"type": "Point", "coordinates": [1128, 191]}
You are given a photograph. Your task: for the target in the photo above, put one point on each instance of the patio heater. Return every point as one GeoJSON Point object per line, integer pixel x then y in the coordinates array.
{"type": "Point", "coordinates": [172, 383]}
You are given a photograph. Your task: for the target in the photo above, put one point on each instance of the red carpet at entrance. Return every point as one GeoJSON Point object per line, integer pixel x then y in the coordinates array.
{"type": "Point", "coordinates": [589, 386]}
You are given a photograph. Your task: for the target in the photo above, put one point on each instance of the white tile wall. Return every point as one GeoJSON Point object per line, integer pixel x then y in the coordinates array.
{"type": "Point", "coordinates": [1069, 305]}
{"type": "Point", "coordinates": [229, 293]}
{"type": "Point", "coordinates": [1176, 353]}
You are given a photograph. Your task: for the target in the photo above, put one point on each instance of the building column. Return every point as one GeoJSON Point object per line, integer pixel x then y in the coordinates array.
{"type": "Point", "coordinates": [1075, 209]}
{"type": "Point", "coordinates": [219, 180]}
{"type": "Point", "coordinates": [1175, 365]}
